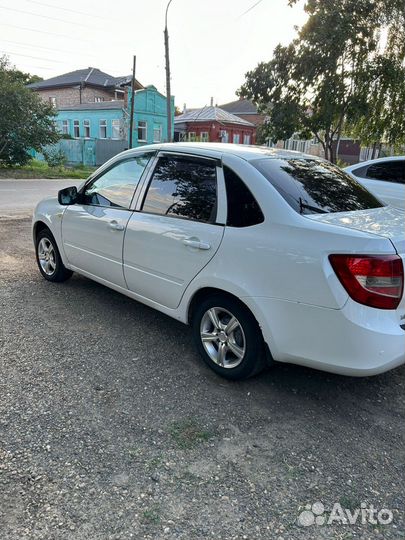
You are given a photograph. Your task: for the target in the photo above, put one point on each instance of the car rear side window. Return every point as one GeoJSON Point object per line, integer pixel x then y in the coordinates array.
{"type": "Point", "coordinates": [315, 186]}
{"type": "Point", "coordinates": [389, 171]}
{"type": "Point", "coordinates": [243, 209]}
{"type": "Point", "coordinates": [183, 187]}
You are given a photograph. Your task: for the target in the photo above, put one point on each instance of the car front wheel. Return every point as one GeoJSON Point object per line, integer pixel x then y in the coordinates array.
{"type": "Point", "coordinates": [228, 337]}
{"type": "Point", "coordinates": [48, 258]}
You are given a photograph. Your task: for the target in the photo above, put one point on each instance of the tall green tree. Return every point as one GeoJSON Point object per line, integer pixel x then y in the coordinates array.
{"type": "Point", "coordinates": [25, 120]}
{"type": "Point", "coordinates": [325, 81]}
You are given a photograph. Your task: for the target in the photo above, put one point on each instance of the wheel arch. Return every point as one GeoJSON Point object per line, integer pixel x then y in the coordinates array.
{"type": "Point", "coordinates": [38, 227]}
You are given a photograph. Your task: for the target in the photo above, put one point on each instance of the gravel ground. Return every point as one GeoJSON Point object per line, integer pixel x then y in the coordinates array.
{"type": "Point", "coordinates": [112, 428]}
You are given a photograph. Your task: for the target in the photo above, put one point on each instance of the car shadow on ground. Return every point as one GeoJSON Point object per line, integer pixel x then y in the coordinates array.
{"type": "Point", "coordinates": [279, 378]}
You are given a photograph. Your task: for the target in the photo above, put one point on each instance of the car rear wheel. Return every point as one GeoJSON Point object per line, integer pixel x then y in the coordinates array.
{"type": "Point", "coordinates": [228, 337]}
{"type": "Point", "coordinates": [48, 258]}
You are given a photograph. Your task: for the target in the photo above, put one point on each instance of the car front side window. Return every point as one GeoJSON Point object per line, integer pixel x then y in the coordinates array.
{"type": "Point", "coordinates": [117, 185]}
{"type": "Point", "coordinates": [183, 187]}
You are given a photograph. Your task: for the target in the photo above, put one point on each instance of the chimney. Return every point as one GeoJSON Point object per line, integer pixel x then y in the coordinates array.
{"type": "Point", "coordinates": [184, 108]}
{"type": "Point", "coordinates": [212, 102]}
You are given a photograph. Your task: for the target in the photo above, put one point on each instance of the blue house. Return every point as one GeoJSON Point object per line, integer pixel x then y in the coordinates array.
{"type": "Point", "coordinates": [110, 120]}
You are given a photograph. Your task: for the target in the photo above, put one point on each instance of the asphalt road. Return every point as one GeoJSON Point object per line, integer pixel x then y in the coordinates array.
{"type": "Point", "coordinates": [112, 428]}
{"type": "Point", "coordinates": [19, 197]}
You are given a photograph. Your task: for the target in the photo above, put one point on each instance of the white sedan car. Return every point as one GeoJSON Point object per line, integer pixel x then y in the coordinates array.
{"type": "Point", "coordinates": [268, 254]}
{"type": "Point", "coordinates": [385, 177]}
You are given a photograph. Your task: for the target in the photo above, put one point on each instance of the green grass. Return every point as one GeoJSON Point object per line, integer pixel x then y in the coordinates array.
{"type": "Point", "coordinates": [40, 169]}
{"type": "Point", "coordinates": [187, 433]}
{"type": "Point", "coordinates": [151, 515]}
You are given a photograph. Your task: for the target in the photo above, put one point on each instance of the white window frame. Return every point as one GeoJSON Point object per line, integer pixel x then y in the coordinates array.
{"type": "Point", "coordinates": [52, 100]}
{"type": "Point", "coordinates": [246, 138]}
{"type": "Point", "coordinates": [157, 127]}
{"type": "Point", "coordinates": [65, 127]}
{"type": "Point", "coordinates": [236, 138]}
{"type": "Point", "coordinates": [204, 136]}
{"type": "Point", "coordinates": [114, 123]}
{"type": "Point", "coordinates": [102, 124]}
{"type": "Point", "coordinates": [224, 135]}
{"type": "Point", "coordinates": [98, 99]}
{"type": "Point", "coordinates": [86, 128]}
{"type": "Point", "coordinates": [192, 136]}
{"type": "Point", "coordinates": [143, 127]}
{"type": "Point", "coordinates": [76, 124]}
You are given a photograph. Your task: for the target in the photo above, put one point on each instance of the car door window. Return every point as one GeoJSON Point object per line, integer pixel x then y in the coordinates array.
{"type": "Point", "coordinates": [117, 185]}
{"type": "Point", "coordinates": [389, 171]}
{"type": "Point", "coordinates": [183, 187]}
{"type": "Point", "coordinates": [243, 209]}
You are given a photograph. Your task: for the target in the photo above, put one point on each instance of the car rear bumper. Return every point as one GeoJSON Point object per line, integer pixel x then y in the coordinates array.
{"type": "Point", "coordinates": [355, 340]}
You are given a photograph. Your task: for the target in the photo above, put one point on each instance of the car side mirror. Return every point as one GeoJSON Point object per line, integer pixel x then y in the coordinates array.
{"type": "Point", "coordinates": [68, 195]}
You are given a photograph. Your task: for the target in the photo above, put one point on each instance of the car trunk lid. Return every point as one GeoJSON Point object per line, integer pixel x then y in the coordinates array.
{"type": "Point", "coordinates": [386, 221]}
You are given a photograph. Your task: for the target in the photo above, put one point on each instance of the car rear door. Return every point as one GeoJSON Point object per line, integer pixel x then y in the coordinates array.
{"type": "Point", "coordinates": [93, 229]}
{"type": "Point", "coordinates": [177, 229]}
{"type": "Point", "coordinates": [386, 179]}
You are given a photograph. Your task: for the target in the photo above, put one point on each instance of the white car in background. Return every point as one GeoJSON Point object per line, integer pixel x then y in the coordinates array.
{"type": "Point", "coordinates": [266, 253]}
{"type": "Point", "coordinates": [385, 177]}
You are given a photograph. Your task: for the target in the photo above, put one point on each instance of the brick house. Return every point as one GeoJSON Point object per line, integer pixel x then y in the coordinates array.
{"type": "Point", "coordinates": [89, 85]}
{"type": "Point", "coordinates": [212, 124]}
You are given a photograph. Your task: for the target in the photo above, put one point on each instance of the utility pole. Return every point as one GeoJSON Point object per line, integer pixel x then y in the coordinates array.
{"type": "Point", "coordinates": [168, 92]}
{"type": "Point", "coordinates": [131, 118]}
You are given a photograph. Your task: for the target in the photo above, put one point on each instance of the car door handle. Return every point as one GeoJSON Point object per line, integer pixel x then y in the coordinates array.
{"type": "Point", "coordinates": [196, 244]}
{"type": "Point", "coordinates": [115, 226]}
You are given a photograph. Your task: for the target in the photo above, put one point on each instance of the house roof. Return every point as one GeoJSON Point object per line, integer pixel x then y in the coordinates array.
{"type": "Point", "coordinates": [210, 114]}
{"type": "Point", "coordinates": [89, 76]}
{"type": "Point", "coordinates": [240, 106]}
{"type": "Point", "coordinates": [99, 106]}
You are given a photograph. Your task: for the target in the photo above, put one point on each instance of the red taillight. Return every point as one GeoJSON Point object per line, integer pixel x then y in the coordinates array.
{"type": "Point", "coordinates": [374, 280]}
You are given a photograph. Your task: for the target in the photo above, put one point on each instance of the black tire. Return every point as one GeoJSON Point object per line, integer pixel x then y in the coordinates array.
{"type": "Point", "coordinates": [57, 272]}
{"type": "Point", "coordinates": [247, 337]}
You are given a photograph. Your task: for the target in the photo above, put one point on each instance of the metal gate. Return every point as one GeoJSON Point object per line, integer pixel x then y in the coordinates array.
{"type": "Point", "coordinates": [106, 149]}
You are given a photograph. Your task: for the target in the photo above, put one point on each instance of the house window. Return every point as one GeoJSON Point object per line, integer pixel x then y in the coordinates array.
{"type": "Point", "coordinates": [236, 138]}
{"type": "Point", "coordinates": [86, 129]}
{"type": "Point", "coordinates": [98, 99]}
{"type": "Point", "coordinates": [224, 136]}
{"type": "Point", "coordinates": [103, 129]}
{"type": "Point", "coordinates": [76, 129]}
{"type": "Point", "coordinates": [204, 136]}
{"type": "Point", "coordinates": [52, 101]}
{"type": "Point", "coordinates": [115, 131]}
{"type": "Point", "coordinates": [65, 127]}
{"type": "Point", "coordinates": [142, 131]}
{"type": "Point", "coordinates": [246, 139]}
{"type": "Point", "coordinates": [191, 136]}
{"type": "Point", "coordinates": [157, 134]}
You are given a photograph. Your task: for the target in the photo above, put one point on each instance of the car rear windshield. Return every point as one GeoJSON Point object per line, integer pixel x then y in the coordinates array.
{"type": "Point", "coordinates": [314, 186]}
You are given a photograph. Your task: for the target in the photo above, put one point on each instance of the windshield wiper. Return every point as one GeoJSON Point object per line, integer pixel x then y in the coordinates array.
{"type": "Point", "coordinates": [305, 206]}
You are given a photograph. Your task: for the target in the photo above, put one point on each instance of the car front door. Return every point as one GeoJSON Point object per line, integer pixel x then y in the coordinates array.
{"type": "Point", "coordinates": [177, 230]}
{"type": "Point", "coordinates": [93, 229]}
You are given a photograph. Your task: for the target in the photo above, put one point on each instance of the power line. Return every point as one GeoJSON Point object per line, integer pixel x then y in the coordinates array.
{"type": "Point", "coordinates": [250, 9]}
{"type": "Point", "coordinates": [35, 57]}
{"type": "Point", "coordinates": [46, 17]}
{"type": "Point", "coordinates": [30, 46]}
{"type": "Point", "coordinates": [119, 43]}
{"type": "Point", "coordinates": [93, 15]}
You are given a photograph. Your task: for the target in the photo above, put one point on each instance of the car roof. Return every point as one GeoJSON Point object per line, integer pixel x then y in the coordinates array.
{"type": "Point", "coordinates": [247, 152]}
{"type": "Point", "coordinates": [372, 161]}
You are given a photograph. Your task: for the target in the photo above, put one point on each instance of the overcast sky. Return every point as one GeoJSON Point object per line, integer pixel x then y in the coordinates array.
{"type": "Point", "coordinates": [212, 42]}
